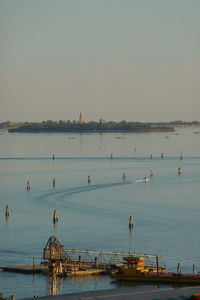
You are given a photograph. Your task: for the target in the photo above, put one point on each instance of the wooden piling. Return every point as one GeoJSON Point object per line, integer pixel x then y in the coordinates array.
{"type": "Point", "coordinates": [131, 222]}
{"type": "Point", "coordinates": [89, 179]}
{"type": "Point", "coordinates": [162, 155]}
{"type": "Point", "coordinates": [96, 262]}
{"type": "Point", "coordinates": [178, 268]}
{"type": "Point", "coordinates": [28, 186]}
{"type": "Point", "coordinates": [54, 182]}
{"type": "Point", "coordinates": [7, 212]}
{"type": "Point", "coordinates": [157, 265]}
{"type": "Point", "coordinates": [33, 264]}
{"type": "Point", "coordinates": [179, 171]}
{"type": "Point", "coordinates": [55, 216]}
{"type": "Point", "coordinates": [151, 173]}
{"type": "Point", "coordinates": [193, 269]}
{"type": "Point", "coordinates": [124, 176]}
{"type": "Point", "coordinates": [12, 297]}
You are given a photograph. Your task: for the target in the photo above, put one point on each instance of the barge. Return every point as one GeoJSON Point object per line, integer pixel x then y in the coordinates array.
{"type": "Point", "coordinates": [134, 269]}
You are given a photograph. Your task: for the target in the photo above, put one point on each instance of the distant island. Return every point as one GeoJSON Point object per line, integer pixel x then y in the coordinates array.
{"type": "Point", "coordinates": [74, 126]}
{"type": "Point", "coordinates": [101, 126]}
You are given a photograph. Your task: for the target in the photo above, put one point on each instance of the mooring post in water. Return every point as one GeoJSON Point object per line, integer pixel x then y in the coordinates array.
{"type": "Point", "coordinates": [7, 212]}
{"type": "Point", "coordinates": [12, 297]}
{"type": "Point", "coordinates": [54, 182]}
{"type": "Point", "coordinates": [124, 177]}
{"type": "Point", "coordinates": [179, 171]}
{"type": "Point", "coordinates": [193, 269]}
{"type": "Point", "coordinates": [55, 216]}
{"type": "Point", "coordinates": [53, 157]}
{"type": "Point", "coordinates": [162, 155]}
{"type": "Point", "coordinates": [33, 264]}
{"type": "Point", "coordinates": [79, 260]}
{"type": "Point", "coordinates": [111, 156]}
{"type": "Point", "coordinates": [151, 156]}
{"type": "Point", "coordinates": [131, 222]}
{"type": "Point", "coordinates": [89, 179]}
{"type": "Point", "coordinates": [151, 173]}
{"type": "Point", "coordinates": [178, 268]}
{"type": "Point", "coordinates": [157, 265]}
{"type": "Point", "coordinates": [96, 262]}
{"type": "Point", "coordinates": [28, 186]}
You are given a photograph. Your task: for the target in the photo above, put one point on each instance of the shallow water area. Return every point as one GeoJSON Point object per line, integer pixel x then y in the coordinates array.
{"type": "Point", "coordinates": [165, 210]}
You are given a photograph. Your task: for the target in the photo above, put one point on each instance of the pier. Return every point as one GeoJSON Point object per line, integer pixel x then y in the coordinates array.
{"type": "Point", "coordinates": [74, 262]}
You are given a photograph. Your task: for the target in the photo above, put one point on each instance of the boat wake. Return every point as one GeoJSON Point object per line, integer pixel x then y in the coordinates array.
{"type": "Point", "coordinates": [62, 194]}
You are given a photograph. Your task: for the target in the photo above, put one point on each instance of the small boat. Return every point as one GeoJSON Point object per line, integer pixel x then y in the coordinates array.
{"type": "Point", "coordinates": [135, 269]}
{"type": "Point", "coordinates": [146, 179]}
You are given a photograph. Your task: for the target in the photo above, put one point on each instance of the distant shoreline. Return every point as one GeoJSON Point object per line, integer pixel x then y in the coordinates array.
{"type": "Point", "coordinates": [94, 127]}
{"type": "Point", "coordinates": [94, 131]}
{"type": "Point", "coordinates": [89, 127]}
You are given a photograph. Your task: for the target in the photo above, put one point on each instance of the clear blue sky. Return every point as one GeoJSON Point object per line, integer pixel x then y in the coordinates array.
{"type": "Point", "coordinates": [137, 60]}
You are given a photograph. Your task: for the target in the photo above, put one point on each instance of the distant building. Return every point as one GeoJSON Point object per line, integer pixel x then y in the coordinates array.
{"type": "Point", "coordinates": [81, 121]}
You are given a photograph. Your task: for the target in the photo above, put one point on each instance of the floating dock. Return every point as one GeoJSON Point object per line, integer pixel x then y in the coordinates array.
{"type": "Point", "coordinates": [87, 272]}
{"type": "Point", "coordinates": [26, 269]}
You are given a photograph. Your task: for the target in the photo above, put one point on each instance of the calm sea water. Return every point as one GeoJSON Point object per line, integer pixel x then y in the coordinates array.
{"type": "Point", "coordinates": [166, 210]}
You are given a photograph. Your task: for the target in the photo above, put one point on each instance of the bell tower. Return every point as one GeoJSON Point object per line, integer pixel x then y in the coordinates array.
{"type": "Point", "coordinates": [81, 121]}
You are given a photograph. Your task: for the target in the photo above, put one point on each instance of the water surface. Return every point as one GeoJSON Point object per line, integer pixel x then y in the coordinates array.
{"type": "Point", "coordinates": [166, 210]}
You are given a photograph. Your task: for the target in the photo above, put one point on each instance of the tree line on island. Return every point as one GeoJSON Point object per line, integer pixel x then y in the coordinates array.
{"type": "Point", "coordinates": [101, 126]}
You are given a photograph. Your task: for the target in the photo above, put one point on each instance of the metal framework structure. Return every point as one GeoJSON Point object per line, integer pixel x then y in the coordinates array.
{"type": "Point", "coordinates": [55, 252]}
{"type": "Point", "coordinates": [111, 258]}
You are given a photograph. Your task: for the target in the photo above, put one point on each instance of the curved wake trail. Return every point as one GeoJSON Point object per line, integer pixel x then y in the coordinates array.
{"type": "Point", "coordinates": [64, 193]}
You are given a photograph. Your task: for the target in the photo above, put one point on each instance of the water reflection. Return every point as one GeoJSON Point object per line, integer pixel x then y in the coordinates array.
{"type": "Point", "coordinates": [55, 226]}
{"type": "Point", "coordinates": [131, 229]}
{"type": "Point", "coordinates": [54, 284]}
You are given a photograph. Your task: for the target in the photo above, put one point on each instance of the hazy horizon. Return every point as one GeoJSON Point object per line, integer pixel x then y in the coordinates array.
{"type": "Point", "coordinates": [96, 120]}
{"type": "Point", "coordinates": [134, 60]}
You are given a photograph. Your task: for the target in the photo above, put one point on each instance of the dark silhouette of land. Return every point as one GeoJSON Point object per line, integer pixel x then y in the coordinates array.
{"type": "Point", "coordinates": [101, 126]}
{"type": "Point", "coordinates": [62, 126]}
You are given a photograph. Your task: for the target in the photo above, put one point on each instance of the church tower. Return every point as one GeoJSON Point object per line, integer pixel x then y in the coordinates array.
{"type": "Point", "coordinates": [81, 121]}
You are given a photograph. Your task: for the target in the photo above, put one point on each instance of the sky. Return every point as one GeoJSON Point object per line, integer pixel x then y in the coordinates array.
{"type": "Point", "coordinates": [134, 60]}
